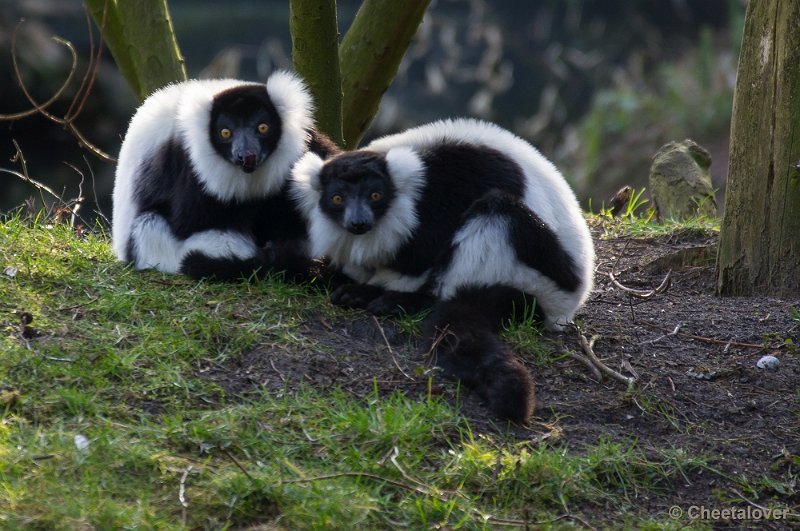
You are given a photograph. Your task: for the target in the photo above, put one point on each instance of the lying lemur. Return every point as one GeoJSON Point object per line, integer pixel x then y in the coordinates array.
{"type": "Point", "coordinates": [461, 215]}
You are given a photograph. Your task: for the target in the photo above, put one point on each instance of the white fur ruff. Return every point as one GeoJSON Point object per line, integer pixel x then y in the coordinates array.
{"type": "Point", "coordinates": [375, 248]}
{"type": "Point", "coordinates": [181, 112]}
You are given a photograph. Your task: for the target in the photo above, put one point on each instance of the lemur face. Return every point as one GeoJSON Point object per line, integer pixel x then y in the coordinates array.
{"type": "Point", "coordinates": [245, 127]}
{"type": "Point", "coordinates": [356, 190]}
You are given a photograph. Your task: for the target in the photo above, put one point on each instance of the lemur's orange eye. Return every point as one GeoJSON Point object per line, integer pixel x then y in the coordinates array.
{"type": "Point", "coordinates": [337, 199]}
{"type": "Point", "coordinates": [225, 133]}
{"type": "Point", "coordinates": [375, 196]}
{"type": "Point", "coordinates": [262, 129]}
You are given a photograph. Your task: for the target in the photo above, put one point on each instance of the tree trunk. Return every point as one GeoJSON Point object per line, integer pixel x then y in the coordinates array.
{"type": "Point", "coordinates": [140, 36]}
{"type": "Point", "coordinates": [315, 54]}
{"type": "Point", "coordinates": [369, 56]}
{"type": "Point", "coordinates": [759, 249]}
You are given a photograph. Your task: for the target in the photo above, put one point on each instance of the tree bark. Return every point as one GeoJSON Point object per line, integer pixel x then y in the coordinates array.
{"type": "Point", "coordinates": [369, 56]}
{"type": "Point", "coordinates": [759, 249]}
{"type": "Point", "coordinates": [140, 36]}
{"type": "Point", "coordinates": [315, 55]}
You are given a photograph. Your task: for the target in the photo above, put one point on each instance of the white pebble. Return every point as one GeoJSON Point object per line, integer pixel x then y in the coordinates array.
{"type": "Point", "coordinates": [768, 362]}
{"type": "Point", "coordinates": [81, 442]}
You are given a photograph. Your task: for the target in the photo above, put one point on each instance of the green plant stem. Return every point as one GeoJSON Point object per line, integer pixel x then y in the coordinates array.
{"type": "Point", "coordinates": [369, 56]}
{"type": "Point", "coordinates": [315, 55]}
{"type": "Point", "coordinates": [139, 35]}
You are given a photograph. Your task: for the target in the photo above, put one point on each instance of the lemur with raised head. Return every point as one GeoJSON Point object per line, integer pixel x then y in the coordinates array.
{"type": "Point", "coordinates": [462, 215]}
{"type": "Point", "coordinates": [202, 178]}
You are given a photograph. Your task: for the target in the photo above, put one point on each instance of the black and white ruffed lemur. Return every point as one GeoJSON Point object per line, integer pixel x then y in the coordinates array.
{"type": "Point", "coordinates": [202, 178]}
{"type": "Point", "coordinates": [461, 215]}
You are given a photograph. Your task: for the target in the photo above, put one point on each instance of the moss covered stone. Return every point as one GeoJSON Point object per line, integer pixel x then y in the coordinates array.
{"type": "Point", "coordinates": [680, 181]}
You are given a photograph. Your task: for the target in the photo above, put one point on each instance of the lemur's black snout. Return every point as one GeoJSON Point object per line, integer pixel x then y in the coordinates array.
{"type": "Point", "coordinates": [359, 227]}
{"type": "Point", "coordinates": [248, 161]}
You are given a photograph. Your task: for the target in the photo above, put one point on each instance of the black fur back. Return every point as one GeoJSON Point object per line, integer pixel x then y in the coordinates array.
{"type": "Point", "coordinates": [457, 175]}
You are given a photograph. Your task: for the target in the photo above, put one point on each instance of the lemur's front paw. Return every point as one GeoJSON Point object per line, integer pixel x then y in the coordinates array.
{"type": "Point", "coordinates": [355, 295]}
{"type": "Point", "coordinates": [398, 303]}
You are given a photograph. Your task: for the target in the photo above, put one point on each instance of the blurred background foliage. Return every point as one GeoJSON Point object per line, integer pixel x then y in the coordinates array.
{"type": "Point", "coordinates": [597, 86]}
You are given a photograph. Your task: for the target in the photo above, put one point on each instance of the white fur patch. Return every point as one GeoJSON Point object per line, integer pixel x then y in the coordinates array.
{"type": "Point", "coordinates": [485, 257]}
{"type": "Point", "coordinates": [385, 278]}
{"type": "Point", "coordinates": [306, 188]}
{"type": "Point", "coordinates": [155, 245]}
{"type": "Point", "coordinates": [392, 280]}
{"type": "Point", "coordinates": [220, 244]}
{"type": "Point", "coordinates": [378, 246]}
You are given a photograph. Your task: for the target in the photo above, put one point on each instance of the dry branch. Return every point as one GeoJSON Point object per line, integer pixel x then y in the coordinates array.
{"type": "Point", "coordinates": [71, 207]}
{"type": "Point", "coordinates": [640, 293]}
{"type": "Point", "coordinates": [587, 345]}
{"type": "Point", "coordinates": [78, 101]}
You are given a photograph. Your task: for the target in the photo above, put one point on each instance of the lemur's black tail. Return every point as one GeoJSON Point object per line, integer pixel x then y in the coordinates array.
{"type": "Point", "coordinates": [461, 335]}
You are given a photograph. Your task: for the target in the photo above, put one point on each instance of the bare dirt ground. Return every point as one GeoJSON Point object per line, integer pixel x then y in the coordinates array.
{"type": "Point", "coordinates": [694, 356]}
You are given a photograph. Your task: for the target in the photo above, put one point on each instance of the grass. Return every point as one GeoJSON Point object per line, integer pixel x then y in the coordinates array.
{"type": "Point", "coordinates": [636, 221]}
{"type": "Point", "coordinates": [107, 422]}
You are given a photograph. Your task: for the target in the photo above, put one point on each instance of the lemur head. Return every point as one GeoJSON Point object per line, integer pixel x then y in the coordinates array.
{"type": "Point", "coordinates": [243, 137]}
{"type": "Point", "coordinates": [245, 126]}
{"type": "Point", "coordinates": [360, 205]}
{"type": "Point", "coordinates": [356, 190]}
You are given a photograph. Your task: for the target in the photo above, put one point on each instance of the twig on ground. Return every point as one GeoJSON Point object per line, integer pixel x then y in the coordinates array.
{"type": "Point", "coordinates": [659, 338]}
{"type": "Point", "coordinates": [587, 345]}
{"type": "Point", "coordinates": [588, 363]}
{"type": "Point", "coordinates": [715, 341]}
{"type": "Point", "coordinates": [274, 368]}
{"type": "Point", "coordinates": [238, 464]}
{"type": "Point", "coordinates": [640, 293]}
{"type": "Point", "coordinates": [757, 506]}
{"type": "Point", "coordinates": [182, 489]}
{"type": "Point", "coordinates": [391, 351]}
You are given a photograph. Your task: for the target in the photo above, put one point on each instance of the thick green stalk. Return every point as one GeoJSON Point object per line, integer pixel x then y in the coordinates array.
{"type": "Point", "coordinates": [315, 54]}
{"type": "Point", "coordinates": [140, 36]}
{"type": "Point", "coordinates": [369, 57]}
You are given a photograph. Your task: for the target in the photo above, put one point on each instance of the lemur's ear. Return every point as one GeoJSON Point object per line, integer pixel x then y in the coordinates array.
{"type": "Point", "coordinates": [305, 172]}
{"type": "Point", "coordinates": [405, 166]}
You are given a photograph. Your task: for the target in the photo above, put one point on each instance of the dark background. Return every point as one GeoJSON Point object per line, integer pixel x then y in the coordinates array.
{"type": "Point", "coordinates": [597, 86]}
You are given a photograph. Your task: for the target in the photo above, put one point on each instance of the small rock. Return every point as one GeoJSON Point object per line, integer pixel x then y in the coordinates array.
{"type": "Point", "coordinates": [81, 442]}
{"type": "Point", "coordinates": [768, 362]}
{"type": "Point", "coordinates": [680, 181]}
